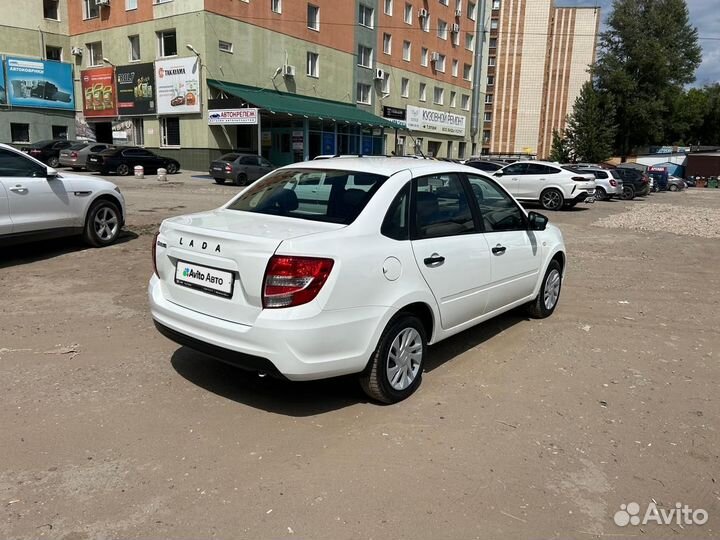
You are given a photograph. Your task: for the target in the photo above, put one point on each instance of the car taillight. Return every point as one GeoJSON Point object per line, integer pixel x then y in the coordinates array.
{"type": "Point", "coordinates": [613, 183]}
{"type": "Point", "coordinates": [645, 179]}
{"type": "Point", "coordinates": [73, 155]}
{"type": "Point", "coordinates": [580, 179]}
{"type": "Point", "coordinates": [228, 168]}
{"type": "Point", "coordinates": [154, 253]}
{"type": "Point", "coordinates": [35, 151]}
{"type": "Point", "coordinates": [293, 281]}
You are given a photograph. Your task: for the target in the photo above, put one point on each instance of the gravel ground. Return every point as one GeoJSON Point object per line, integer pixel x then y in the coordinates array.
{"type": "Point", "coordinates": [521, 428]}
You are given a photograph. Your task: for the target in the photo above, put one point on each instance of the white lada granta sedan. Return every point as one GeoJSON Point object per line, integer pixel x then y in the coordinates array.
{"type": "Point", "coordinates": [351, 265]}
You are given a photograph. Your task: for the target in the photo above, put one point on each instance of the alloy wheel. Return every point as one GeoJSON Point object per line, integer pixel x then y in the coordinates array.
{"type": "Point", "coordinates": [106, 223]}
{"type": "Point", "coordinates": [404, 359]}
{"type": "Point", "coordinates": [552, 289]}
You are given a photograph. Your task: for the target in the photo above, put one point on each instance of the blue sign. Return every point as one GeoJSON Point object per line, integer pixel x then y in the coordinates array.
{"type": "Point", "coordinates": [328, 143]}
{"type": "Point", "coordinates": [39, 83]}
{"type": "Point", "coordinates": [367, 145]}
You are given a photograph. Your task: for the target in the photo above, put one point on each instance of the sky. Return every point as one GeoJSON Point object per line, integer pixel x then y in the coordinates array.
{"type": "Point", "coordinates": [704, 14]}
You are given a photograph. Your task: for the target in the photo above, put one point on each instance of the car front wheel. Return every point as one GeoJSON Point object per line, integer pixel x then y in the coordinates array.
{"type": "Point", "coordinates": [546, 301]}
{"type": "Point", "coordinates": [552, 199]}
{"type": "Point", "coordinates": [171, 168]}
{"type": "Point", "coordinates": [123, 170]}
{"type": "Point", "coordinates": [395, 369]}
{"type": "Point", "coordinates": [103, 223]}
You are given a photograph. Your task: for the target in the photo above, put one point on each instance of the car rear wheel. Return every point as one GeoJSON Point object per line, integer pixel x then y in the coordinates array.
{"type": "Point", "coordinates": [601, 194]}
{"type": "Point", "coordinates": [241, 179]}
{"type": "Point", "coordinates": [171, 168]}
{"type": "Point", "coordinates": [552, 199]}
{"type": "Point", "coordinates": [545, 303]}
{"type": "Point", "coordinates": [53, 162]}
{"type": "Point", "coordinates": [103, 223]}
{"type": "Point", "coordinates": [628, 193]}
{"type": "Point", "coordinates": [395, 369]}
{"type": "Point", "coordinates": [123, 170]}
{"type": "Point", "coordinates": [219, 180]}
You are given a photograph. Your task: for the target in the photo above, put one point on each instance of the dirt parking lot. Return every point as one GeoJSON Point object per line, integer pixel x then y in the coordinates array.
{"type": "Point", "coordinates": [521, 428]}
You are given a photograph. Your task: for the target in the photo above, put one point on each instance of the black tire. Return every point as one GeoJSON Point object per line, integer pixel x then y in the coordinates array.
{"type": "Point", "coordinates": [219, 180]}
{"type": "Point", "coordinates": [123, 169]}
{"type": "Point", "coordinates": [673, 187]}
{"type": "Point", "coordinates": [628, 193]}
{"type": "Point", "coordinates": [538, 309]}
{"type": "Point", "coordinates": [172, 168]}
{"type": "Point", "coordinates": [241, 179]}
{"type": "Point", "coordinates": [552, 199]}
{"type": "Point", "coordinates": [375, 380]}
{"type": "Point", "coordinates": [601, 194]}
{"type": "Point", "coordinates": [107, 212]}
{"type": "Point", "coordinates": [53, 162]}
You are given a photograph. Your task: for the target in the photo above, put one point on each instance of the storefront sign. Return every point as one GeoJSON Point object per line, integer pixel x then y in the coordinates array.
{"type": "Point", "coordinates": [98, 92]}
{"type": "Point", "coordinates": [394, 113]}
{"type": "Point", "coordinates": [444, 123]}
{"type": "Point", "coordinates": [232, 117]}
{"type": "Point", "coordinates": [135, 89]}
{"type": "Point", "coordinates": [40, 84]}
{"type": "Point", "coordinates": [297, 140]}
{"type": "Point", "coordinates": [178, 85]}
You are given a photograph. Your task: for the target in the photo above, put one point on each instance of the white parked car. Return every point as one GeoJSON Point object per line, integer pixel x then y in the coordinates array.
{"type": "Point", "coordinates": [37, 202]}
{"type": "Point", "coordinates": [395, 255]}
{"type": "Point", "coordinates": [608, 182]}
{"type": "Point", "coordinates": [550, 184]}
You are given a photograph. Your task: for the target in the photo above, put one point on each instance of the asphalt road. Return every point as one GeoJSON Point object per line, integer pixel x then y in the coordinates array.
{"type": "Point", "coordinates": [521, 428]}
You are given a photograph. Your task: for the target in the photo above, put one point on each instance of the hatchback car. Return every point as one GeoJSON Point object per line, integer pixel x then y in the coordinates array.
{"type": "Point", "coordinates": [48, 151]}
{"type": "Point", "coordinates": [359, 278]}
{"type": "Point", "coordinates": [608, 183]}
{"type": "Point", "coordinates": [124, 159]}
{"type": "Point", "coordinates": [37, 202]}
{"type": "Point", "coordinates": [240, 169]}
{"type": "Point", "coordinates": [76, 155]}
{"type": "Point", "coordinates": [550, 184]}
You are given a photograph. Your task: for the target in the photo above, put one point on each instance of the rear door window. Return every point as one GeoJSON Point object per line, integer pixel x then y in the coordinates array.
{"type": "Point", "coordinates": [516, 168]}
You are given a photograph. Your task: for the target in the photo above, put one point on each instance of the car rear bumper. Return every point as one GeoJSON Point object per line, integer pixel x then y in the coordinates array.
{"type": "Point", "coordinates": [329, 344]}
{"type": "Point", "coordinates": [69, 162]}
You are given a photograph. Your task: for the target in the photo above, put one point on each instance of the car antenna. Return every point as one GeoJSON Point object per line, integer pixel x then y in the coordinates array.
{"type": "Point", "coordinates": [415, 143]}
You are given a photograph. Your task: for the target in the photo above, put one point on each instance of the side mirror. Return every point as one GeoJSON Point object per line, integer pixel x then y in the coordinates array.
{"type": "Point", "coordinates": [51, 174]}
{"type": "Point", "coordinates": [498, 173]}
{"type": "Point", "coordinates": [538, 222]}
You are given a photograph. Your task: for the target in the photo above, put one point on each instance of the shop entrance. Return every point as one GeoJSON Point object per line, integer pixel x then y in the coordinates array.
{"type": "Point", "coordinates": [103, 132]}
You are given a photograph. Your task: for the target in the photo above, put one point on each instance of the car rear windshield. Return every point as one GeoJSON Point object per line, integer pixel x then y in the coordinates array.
{"type": "Point", "coordinates": [229, 157]}
{"type": "Point", "coordinates": [316, 194]}
{"type": "Point", "coordinates": [616, 175]}
{"type": "Point", "coordinates": [78, 146]}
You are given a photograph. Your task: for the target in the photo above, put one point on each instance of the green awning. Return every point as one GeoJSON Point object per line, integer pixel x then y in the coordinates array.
{"type": "Point", "coordinates": [303, 106]}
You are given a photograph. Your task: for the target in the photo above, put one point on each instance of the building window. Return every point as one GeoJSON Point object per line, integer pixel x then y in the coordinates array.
{"type": "Point", "coordinates": [170, 131]}
{"type": "Point", "coordinates": [486, 136]}
{"type": "Point", "coordinates": [491, 61]}
{"type": "Point", "coordinates": [423, 92]}
{"type": "Point", "coordinates": [313, 17]}
{"type": "Point", "coordinates": [425, 23]}
{"type": "Point", "coordinates": [404, 87]}
{"type": "Point", "coordinates": [469, 42]}
{"type": "Point", "coordinates": [438, 95]}
{"type": "Point", "coordinates": [408, 13]}
{"type": "Point", "coordinates": [167, 43]}
{"type": "Point", "coordinates": [313, 64]}
{"type": "Point", "coordinates": [471, 11]}
{"type": "Point", "coordinates": [385, 88]}
{"type": "Point", "coordinates": [488, 99]}
{"type": "Point", "coordinates": [20, 133]}
{"type": "Point", "coordinates": [130, 5]}
{"type": "Point", "coordinates": [363, 94]}
{"type": "Point", "coordinates": [95, 54]}
{"type": "Point", "coordinates": [276, 6]}
{"type": "Point", "coordinates": [59, 132]}
{"type": "Point", "coordinates": [487, 117]}
{"type": "Point", "coordinates": [465, 102]}
{"type": "Point", "coordinates": [455, 67]}
{"type": "Point", "coordinates": [442, 29]}
{"type": "Point", "coordinates": [453, 98]}
{"type": "Point", "coordinates": [424, 56]}
{"type": "Point", "coordinates": [225, 46]}
{"type": "Point", "coordinates": [496, 4]}
{"type": "Point", "coordinates": [440, 63]}
{"type": "Point", "coordinates": [444, 2]}
{"type": "Point", "coordinates": [388, 7]}
{"type": "Point", "coordinates": [365, 56]}
{"type": "Point", "coordinates": [138, 131]}
{"type": "Point", "coordinates": [461, 149]}
{"type": "Point", "coordinates": [467, 72]}
{"type": "Point", "coordinates": [53, 53]}
{"type": "Point", "coordinates": [387, 43]}
{"type": "Point", "coordinates": [91, 9]}
{"type": "Point", "coordinates": [491, 80]}
{"type": "Point", "coordinates": [407, 51]}
{"type": "Point", "coordinates": [493, 43]}
{"type": "Point", "coordinates": [134, 44]}
{"type": "Point", "coordinates": [50, 10]}
{"type": "Point", "coordinates": [366, 16]}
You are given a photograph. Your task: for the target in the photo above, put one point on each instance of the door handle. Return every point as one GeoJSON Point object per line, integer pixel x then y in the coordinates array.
{"type": "Point", "coordinates": [498, 250]}
{"type": "Point", "coordinates": [19, 189]}
{"type": "Point", "coordinates": [434, 260]}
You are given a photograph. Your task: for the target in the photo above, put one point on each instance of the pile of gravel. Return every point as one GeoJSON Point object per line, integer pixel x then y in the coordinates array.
{"type": "Point", "coordinates": [682, 220]}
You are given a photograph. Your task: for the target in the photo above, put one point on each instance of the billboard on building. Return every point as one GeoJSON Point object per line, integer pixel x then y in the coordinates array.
{"type": "Point", "coordinates": [3, 88]}
{"type": "Point", "coordinates": [431, 121]}
{"type": "Point", "coordinates": [178, 85]}
{"type": "Point", "coordinates": [233, 117]}
{"type": "Point", "coordinates": [98, 92]}
{"type": "Point", "coordinates": [136, 89]}
{"type": "Point", "coordinates": [39, 83]}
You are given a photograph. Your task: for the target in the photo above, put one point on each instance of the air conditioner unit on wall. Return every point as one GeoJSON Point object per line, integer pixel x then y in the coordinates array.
{"type": "Point", "coordinates": [458, 12]}
{"type": "Point", "coordinates": [102, 3]}
{"type": "Point", "coordinates": [422, 13]}
{"type": "Point", "coordinates": [76, 51]}
{"type": "Point", "coordinates": [288, 71]}
{"type": "Point", "coordinates": [379, 74]}
{"type": "Point", "coordinates": [435, 57]}
{"type": "Point", "coordinates": [455, 28]}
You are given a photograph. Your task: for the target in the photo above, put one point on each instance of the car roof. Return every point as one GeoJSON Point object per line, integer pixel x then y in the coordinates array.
{"type": "Point", "coordinates": [386, 166]}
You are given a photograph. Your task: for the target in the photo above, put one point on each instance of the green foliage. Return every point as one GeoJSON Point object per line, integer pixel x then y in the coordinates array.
{"type": "Point", "coordinates": [560, 150]}
{"type": "Point", "coordinates": [648, 53]}
{"type": "Point", "coordinates": [590, 131]}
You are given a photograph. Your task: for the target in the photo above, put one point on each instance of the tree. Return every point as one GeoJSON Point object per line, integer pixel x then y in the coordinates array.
{"type": "Point", "coordinates": [559, 151]}
{"type": "Point", "coordinates": [648, 52]}
{"type": "Point", "coordinates": [590, 130]}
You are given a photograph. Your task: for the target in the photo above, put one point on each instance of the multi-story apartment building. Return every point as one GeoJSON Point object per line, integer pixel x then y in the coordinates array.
{"type": "Point", "coordinates": [292, 79]}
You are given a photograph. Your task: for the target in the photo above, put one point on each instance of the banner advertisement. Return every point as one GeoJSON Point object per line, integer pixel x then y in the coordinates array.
{"type": "Point", "coordinates": [232, 117]}
{"type": "Point", "coordinates": [420, 119]}
{"type": "Point", "coordinates": [98, 92]}
{"type": "Point", "coordinates": [135, 89]}
{"type": "Point", "coordinates": [3, 88]}
{"type": "Point", "coordinates": [178, 85]}
{"type": "Point", "coordinates": [39, 83]}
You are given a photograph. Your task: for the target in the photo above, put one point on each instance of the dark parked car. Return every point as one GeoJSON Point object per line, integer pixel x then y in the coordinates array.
{"type": "Point", "coordinates": [240, 169]}
{"type": "Point", "coordinates": [48, 151]}
{"type": "Point", "coordinates": [485, 165]}
{"type": "Point", "coordinates": [635, 182]}
{"type": "Point", "coordinates": [122, 160]}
